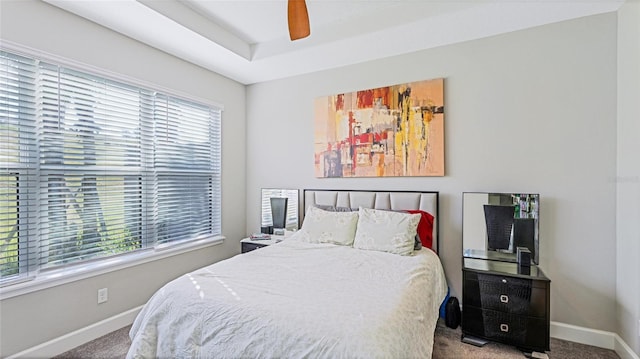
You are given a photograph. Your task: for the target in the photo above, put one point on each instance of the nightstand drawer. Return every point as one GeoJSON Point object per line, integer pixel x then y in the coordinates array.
{"type": "Point", "coordinates": [505, 294]}
{"type": "Point", "coordinates": [248, 247]}
{"type": "Point", "coordinates": [519, 330]}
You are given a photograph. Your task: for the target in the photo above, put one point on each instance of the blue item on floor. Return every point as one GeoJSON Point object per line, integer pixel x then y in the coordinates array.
{"type": "Point", "coordinates": [443, 313]}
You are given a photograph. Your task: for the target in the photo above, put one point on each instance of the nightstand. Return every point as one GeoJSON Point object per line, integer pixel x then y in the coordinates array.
{"type": "Point", "coordinates": [503, 303]}
{"type": "Point", "coordinates": [249, 244]}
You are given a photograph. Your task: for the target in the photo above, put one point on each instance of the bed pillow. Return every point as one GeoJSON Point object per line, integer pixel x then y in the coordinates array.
{"type": "Point", "coordinates": [386, 231]}
{"type": "Point", "coordinates": [425, 227]}
{"type": "Point", "coordinates": [320, 226]}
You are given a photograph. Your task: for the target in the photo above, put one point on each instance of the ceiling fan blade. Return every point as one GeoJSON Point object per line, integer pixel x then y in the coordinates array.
{"type": "Point", "coordinates": [298, 19]}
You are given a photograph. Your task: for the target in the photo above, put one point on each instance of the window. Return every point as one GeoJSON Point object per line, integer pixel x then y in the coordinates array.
{"type": "Point", "coordinates": [91, 167]}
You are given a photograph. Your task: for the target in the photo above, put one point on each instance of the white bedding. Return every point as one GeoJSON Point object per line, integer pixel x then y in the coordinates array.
{"type": "Point", "coordinates": [294, 300]}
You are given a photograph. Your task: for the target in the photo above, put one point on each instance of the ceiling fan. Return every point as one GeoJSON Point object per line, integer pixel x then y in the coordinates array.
{"type": "Point", "coordinates": [298, 19]}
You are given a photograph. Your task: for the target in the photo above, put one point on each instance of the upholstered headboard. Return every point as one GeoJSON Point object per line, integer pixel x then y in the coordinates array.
{"type": "Point", "coordinates": [392, 200]}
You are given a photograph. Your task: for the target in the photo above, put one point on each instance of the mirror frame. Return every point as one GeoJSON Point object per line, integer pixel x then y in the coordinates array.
{"type": "Point", "coordinates": [293, 206]}
{"type": "Point", "coordinates": [480, 248]}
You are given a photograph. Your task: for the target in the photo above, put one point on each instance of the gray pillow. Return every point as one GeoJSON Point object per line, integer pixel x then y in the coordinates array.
{"type": "Point", "coordinates": [335, 209]}
{"type": "Point", "coordinates": [417, 245]}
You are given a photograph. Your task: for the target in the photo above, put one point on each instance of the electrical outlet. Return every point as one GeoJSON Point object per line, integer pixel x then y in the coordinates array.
{"type": "Point", "coordinates": [103, 295]}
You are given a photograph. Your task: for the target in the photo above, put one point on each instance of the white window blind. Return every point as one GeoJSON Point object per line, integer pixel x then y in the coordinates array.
{"type": "Point", "coordinates": [187, 169]}
{"type": "Point", "coordinates": [18, 157]}
{"type": "Point", "coordinates": [91, 167]}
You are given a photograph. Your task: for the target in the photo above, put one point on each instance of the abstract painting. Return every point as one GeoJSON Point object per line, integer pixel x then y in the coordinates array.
{"type": "Point", "coordinates": [383, 132]}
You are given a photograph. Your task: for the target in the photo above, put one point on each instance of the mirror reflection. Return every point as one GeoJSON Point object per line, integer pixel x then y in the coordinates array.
{"type": "Point", "coordinates": [291, 220]}
{"type": "Point", "coordinates": [495, 224]}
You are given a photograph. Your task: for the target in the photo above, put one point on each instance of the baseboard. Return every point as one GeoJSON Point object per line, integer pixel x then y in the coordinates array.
{"type": "Point", "coordinates": [624, 350]}
{"type": "Point", "coordinates": [598, 338]}
{"type": "Point", "coordinates": [71, 340]}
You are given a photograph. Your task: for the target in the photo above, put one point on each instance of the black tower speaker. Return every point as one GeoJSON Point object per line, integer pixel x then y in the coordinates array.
{"type": "Point", "coordinates": [523, 234]}
{"type": "Point", "coordinates": [524, 256]}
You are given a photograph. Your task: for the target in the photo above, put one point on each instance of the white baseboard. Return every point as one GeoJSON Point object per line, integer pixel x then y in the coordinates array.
{"type": "Point", "coordinates": [624, 350]}
{"type": "Point", "coordinates": [598, 338]}
{"type": "Point", "coordinates": [71, 340]}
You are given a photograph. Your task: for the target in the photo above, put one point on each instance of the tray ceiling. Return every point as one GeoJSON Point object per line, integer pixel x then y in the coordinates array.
{"type": "Point", "coordinates": [247, 40]}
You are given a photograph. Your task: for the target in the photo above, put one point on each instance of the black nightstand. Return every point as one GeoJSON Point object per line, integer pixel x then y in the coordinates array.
{"type": "Point", "coordinates": [249, 244]}
{"type": "Point", "coordinates": [506, 304]}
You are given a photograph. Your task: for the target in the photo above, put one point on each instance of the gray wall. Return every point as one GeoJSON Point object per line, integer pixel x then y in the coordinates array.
{"type": "Point", "coordinates": [35, 318]}
{"type": "Point", "coordinates": [530, 111]}
{"type": "Point", "coordinates": [628, 175]}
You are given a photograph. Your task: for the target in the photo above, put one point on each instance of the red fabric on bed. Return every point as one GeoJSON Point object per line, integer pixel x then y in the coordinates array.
{"type": "Point", "coordinates": [425, 227]}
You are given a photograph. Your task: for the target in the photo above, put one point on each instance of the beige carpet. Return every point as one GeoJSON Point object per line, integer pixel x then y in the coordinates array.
{"type": "Point", "coordinates": [447, 346]}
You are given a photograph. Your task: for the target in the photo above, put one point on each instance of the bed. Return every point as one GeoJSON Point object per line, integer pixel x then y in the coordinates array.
{"type": "Point", "coordinates": [313, 295]}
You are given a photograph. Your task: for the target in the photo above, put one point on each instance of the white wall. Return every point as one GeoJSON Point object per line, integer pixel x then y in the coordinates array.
{"type": "Point", "coordinates": [628, 175]}
{"type": "Point", "coordinates": [531, 111]}
{"type": "Point", "coordinates": [32, 319]}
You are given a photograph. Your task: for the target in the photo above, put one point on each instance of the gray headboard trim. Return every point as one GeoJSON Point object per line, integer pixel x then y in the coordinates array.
{"type": "Point", "coordinates": [427, 201]}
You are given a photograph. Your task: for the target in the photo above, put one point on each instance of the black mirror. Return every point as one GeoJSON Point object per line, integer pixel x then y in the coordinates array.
{"type": "Point", "coordinates": [285, 204]}
{"type": "Point", "coordinates": [494, 225]}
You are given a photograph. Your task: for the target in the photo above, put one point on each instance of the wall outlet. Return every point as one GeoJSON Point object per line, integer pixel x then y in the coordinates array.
{"type": "Point", "coordinates": [103, 295]}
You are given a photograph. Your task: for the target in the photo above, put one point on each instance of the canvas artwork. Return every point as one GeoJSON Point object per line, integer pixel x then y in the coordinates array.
{"type": "Point", "coordinates": [388, 131]}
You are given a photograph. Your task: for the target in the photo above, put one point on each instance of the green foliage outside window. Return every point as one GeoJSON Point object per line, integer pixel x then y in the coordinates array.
{"type": "Point", "coordinates": [8, 226]}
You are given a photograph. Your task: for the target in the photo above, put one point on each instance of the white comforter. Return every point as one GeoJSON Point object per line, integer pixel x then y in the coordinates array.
{"type": "Point", "coordinates": [297, 300]}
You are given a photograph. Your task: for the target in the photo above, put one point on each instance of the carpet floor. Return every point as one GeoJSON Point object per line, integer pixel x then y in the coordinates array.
{"type": "Point", "coordinates": [447, 345]}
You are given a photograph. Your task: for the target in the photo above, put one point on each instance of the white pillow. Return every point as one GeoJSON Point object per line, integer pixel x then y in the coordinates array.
{"type": "Point", "coordinates": [320, 226]}
{"type": "Point", "coordinates": [386, 231]}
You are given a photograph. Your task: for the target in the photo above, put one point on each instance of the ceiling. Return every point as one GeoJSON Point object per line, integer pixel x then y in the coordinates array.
{"type": "Point", "coordinates": [247, 40]}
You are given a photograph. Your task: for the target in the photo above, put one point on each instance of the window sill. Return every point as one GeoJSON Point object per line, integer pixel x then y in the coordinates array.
{"type": "Point", "coordinates": [70, 274]}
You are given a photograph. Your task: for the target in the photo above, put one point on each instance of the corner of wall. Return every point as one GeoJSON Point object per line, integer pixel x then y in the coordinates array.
{"type": "Point", "coordinates": [628, 178]}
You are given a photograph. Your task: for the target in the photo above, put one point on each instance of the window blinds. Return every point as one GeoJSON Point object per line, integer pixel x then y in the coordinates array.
{"type": "Point", "coordinates": [184, 146]}
{"type": "Point", "coordinates": [18, 162]}
{"type": "Point", "coordinates": [91, 167]}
